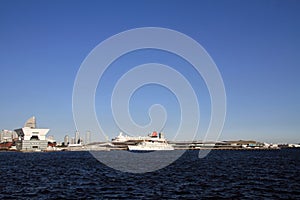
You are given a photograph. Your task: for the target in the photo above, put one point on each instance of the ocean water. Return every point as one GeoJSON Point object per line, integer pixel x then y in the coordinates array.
{"type": "Point", "coordinates": [223, 174]}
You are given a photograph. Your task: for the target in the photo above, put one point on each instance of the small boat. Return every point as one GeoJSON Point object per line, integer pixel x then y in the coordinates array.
{"type": "Point", "coordinates": [154, 142]}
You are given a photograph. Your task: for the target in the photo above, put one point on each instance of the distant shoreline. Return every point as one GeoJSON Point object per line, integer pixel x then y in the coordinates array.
{"type": "Point", "coordinates": [213, 149]}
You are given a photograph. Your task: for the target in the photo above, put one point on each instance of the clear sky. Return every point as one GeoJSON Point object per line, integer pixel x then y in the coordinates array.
{"type": "Point", "coordinates": [255, 44]}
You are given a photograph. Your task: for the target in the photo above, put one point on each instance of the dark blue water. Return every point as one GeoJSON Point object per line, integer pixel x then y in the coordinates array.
{"type": "Point", "coordinates": [222, 175]}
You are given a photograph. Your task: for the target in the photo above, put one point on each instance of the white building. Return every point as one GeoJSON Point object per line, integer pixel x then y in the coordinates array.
{"type": "Point", "coordinates": [87, 137]}
{"type": "Point", "coordinates": [31, 138]}
{"type": "Point", "coordinates": [66, 140]}
{"type": "Point", "coordinates": [7, 136]}
{"type": "Point", "coordinates": [77, 137]}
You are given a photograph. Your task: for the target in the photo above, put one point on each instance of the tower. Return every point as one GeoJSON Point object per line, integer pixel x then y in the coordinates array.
{"type": "Point", "coordinates": [88, 137]}
{"type": "Point", "coordinates": [77, 137]}
{"type": "Point", "coordinates": [66, 140]}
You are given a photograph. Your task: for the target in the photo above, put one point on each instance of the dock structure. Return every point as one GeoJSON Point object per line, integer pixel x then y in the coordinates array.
{"type": "Point", "coordinates": [220, 145]}
{"type": "Point", "coordinates": [183, 145]}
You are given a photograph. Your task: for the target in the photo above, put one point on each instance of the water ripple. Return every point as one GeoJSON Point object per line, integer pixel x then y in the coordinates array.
{"type": "Point", "coordinates": [222, 174]}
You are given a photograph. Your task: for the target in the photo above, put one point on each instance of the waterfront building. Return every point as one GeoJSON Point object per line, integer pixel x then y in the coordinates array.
{"type": "Point", "coordinates": [66, 140]}
{"type": "Point", "coordinates": [51, 141]}
{"type": "Point", "coordinates": [8, 136]}
{"type": "Point", "coordinates": [76, 143]}
{"type": "Point", "coordinates": [50, 137]}
{"type": "Point", "coordinates": [77, 137]}
{"type": "Point", "coordinates": [72, 140]}
{"type": "Point", "coordinates": [31, 138]}
{"type": "Point", "coordinates": [88, 137]}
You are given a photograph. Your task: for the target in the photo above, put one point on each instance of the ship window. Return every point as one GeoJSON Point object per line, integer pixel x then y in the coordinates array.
{"type": "Point", "coordinates": [35, 147]}
{"type": "Point", "coordinates": [34, 137]}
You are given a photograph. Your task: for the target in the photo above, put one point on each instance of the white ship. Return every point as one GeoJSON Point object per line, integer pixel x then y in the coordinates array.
{"type": "Point", "coordinates": [153, 142]}
{"type": "Point", "coordinates": [125, 139]}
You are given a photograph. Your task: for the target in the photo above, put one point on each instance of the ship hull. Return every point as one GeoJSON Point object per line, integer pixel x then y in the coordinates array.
{"type": "Point", "coordinates": [148, 148]}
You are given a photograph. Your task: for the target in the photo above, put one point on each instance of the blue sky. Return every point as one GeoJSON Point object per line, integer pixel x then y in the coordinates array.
{"type": "Point", "coordinates": [255, 44]}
